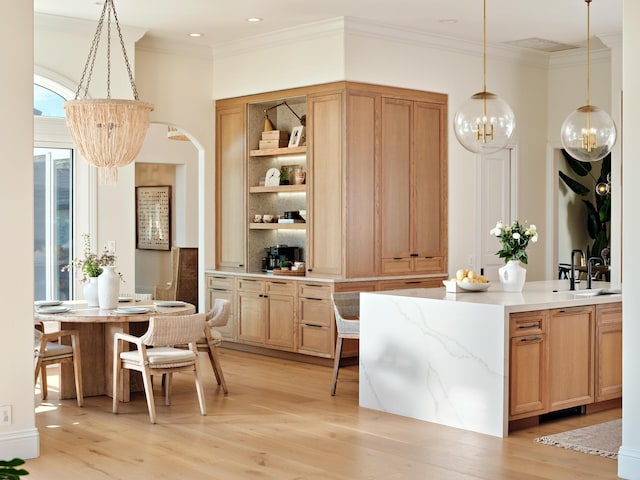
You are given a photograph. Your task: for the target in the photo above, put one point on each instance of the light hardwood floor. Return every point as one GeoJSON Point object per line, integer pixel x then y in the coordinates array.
{"type": "Point", "coordinates": [280, 422]}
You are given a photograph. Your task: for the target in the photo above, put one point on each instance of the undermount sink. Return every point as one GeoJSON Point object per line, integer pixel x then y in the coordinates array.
{"type": "Point", "coordinates": [597, 291]}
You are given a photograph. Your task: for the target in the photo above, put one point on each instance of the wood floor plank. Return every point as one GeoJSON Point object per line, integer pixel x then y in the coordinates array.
{"type": "Point", "coordinates": [279, 421]}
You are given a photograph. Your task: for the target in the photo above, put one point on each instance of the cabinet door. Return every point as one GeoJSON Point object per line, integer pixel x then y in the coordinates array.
{"type": "Point", "coordinates": [324, 179]}
{"type": "Point", "coordinates": [230, 188]}
{"type": "Point", "coordinates": [608, 352]}
{"type": "Point", "coordinates": [571, 357]}
{"type": "Point", "coordinates": [395, 174]}
{"type": "Point", "coordinates": [528, 364]}
{"type": "Point", "coordinates": [429, 186]}
{"type": "Point", "coordinates": [251, 311]}
{"type": "Point", "coordinates": [281, 321]}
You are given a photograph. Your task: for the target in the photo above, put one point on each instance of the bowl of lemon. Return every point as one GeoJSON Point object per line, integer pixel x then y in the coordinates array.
{"type": "Point", "coordinates": [470, 281]}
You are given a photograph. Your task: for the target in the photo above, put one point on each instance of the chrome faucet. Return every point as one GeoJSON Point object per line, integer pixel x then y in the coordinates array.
{"type": "Point", "coordinates": [572, 278]}
{"type": "Point", "coordinates": [589, 270]}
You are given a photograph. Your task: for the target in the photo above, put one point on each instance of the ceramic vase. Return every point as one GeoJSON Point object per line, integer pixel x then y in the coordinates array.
{"type": "Point", "coordinates": [90, 292]}
{"type": "Point", "coordinates": [108, 288]}
{"type": "Point", "coordinates": [512, 276]}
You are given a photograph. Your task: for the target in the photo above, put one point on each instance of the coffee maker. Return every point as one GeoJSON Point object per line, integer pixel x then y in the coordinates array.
{"type": "Point", "coordinates": [278, 253]}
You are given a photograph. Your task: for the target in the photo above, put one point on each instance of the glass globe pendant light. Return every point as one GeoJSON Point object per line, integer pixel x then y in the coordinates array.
{"type": "Point", "coordinates": [588, 134]}
{"type": "Point", "coordinates": [485, 122]}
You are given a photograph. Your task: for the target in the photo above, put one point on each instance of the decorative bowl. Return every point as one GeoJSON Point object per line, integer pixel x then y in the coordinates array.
{"type": "Point", "coordinates": [474, 287]}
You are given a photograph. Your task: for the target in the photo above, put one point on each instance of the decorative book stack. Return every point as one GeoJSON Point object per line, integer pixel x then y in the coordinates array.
{"type": "Point", "coordinates": [274, 139]}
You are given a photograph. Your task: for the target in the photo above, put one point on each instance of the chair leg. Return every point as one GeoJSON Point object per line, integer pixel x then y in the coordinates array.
{"type": "Point", "coordinates": [336, 365]}
{"type": "Point", "coordinates": [168, 377]}
{"type": "Point", "coordinates": [77, 371]}
{"type": "Point", "coordinates": [217, 368]}
{"type": "Point", "coordinates": [117, 372]}
{"type": "Point", "coordinates": [44, 389]}
{"type": "Point", "coordinates": [199, 390]}
{"type": "Point", "coordinates": [148, 390]}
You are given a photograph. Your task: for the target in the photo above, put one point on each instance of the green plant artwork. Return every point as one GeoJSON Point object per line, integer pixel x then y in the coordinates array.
{"type": "Point", "coordinates": [599, 206]}
{"type": "Point", "coordinates": [8, 470]}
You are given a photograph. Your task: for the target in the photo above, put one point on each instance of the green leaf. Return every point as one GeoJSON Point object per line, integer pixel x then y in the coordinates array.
{"type": "Point", "coordinates": [580, 168]}
{"type": "Point", "coordinates": [575, 186]}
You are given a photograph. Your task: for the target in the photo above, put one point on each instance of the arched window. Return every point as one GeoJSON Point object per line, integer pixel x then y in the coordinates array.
{"type": "Point", "coordinates": [46, 102]}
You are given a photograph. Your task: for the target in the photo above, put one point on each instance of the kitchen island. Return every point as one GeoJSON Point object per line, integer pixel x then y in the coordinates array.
{"type": "Point", "coordinates": [445, 357]}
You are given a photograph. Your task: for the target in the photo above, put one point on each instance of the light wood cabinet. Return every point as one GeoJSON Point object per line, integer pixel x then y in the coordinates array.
{"type": "Point", "coordinates": [528, 364]}
{"type": "Point", "coordinates": [266, 313]}
{"type": "Point", "coordinates": [608, 376]}
{"type": "Point", "coordinates": [222, 286]}
{"type": "Point", "coordinates": [413, 178]}
{"type": "Point", "coordinates": [315, 319]}
{"type": "Point", "coordinates": [230, 188]}
{"type": "Point", "coordinates": [571, 337]}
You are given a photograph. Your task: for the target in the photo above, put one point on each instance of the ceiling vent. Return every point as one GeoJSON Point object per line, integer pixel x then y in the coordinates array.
{"type": "Point", "coordinates": [541, 44]}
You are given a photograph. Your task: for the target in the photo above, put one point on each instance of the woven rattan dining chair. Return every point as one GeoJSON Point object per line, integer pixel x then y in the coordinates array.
{"type": "Point", "coordinates": [163, 358]}
{"type": "Point", "coordinates": [346, 307]}
{"type": "Point", "coordinates": [48, 350]}
{"type": "Point", "coordinates": [218, 316]}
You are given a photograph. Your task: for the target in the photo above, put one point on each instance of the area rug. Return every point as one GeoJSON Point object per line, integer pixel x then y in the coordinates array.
{"type": "Point", "coordinates": [603, 439]}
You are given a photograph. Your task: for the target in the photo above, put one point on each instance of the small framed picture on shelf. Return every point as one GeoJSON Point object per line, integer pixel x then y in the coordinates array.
{"type": "Point", "coordinates": [297, 137]}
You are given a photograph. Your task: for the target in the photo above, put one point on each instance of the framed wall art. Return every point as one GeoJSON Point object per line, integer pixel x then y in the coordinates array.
{"type": "Point", "coordinates": [153, 218]}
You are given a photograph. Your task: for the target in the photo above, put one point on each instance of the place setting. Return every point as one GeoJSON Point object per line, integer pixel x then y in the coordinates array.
{"type": "Point", "coordinates": [51, 306]}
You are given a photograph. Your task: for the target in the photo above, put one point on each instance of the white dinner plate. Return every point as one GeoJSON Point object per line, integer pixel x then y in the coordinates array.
{"type": "Point", "coordinates": [47, 303]}
{"type": "Point", "coordinates": [169, 303]}
{"type": "Point", "coordinates": [474, 287]}
{"type": "Point", "coordinates": [131, 310]}
{"type": "Point", "coordinates": [53, 309]}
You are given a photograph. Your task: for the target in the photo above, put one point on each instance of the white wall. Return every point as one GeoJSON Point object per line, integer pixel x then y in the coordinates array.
{"type": "Point", "coordinates": [629, 456]}
{"type": "Point", "coordinates": [179, 85]}
{"type": "Point", "coordinates": [20, 438]}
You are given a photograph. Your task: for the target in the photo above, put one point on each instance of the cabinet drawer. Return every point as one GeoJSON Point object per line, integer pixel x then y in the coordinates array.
{"type": "Point", "coordinates": [429, 264]}
{"type": "Point", "coordinates": [220, 283]}
{"type": "Point", "coordinates": [410, 283]}
{"type": "Point", "coordinates": [315, 312]}
{"type": "Point", "coordinates": [397, 265]}
{"type": "Point", "coordinates": [315, 340]}
{"type": "Point", "coordinates": [527, 323]}
{"type": "Point", "coordinates": [250, 285]}
{"type": "Point", "coordinates": [281, 287]}
{"type": "Point", "coordinates": [314, 290]}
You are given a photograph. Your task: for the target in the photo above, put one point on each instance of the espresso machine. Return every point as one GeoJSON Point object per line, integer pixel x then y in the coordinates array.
{"type": "Point", "coordinates": [277, 253]}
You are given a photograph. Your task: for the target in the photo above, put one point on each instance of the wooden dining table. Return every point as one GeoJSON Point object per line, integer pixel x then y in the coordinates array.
{"type": "Point", "coordinates": [96, 328]}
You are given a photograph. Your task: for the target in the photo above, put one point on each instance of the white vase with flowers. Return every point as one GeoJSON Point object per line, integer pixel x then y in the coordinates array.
{"type": "Point", "coordinates": [514, 240]}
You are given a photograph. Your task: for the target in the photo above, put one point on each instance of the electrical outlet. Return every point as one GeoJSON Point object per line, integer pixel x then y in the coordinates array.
{"type": "Point", "coordinates": [5, 415]}
{"type": "Point", "coordinates": [111, 246]}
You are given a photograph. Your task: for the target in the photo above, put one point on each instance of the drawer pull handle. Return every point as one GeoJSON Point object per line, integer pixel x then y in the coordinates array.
{"type": "Point", "coordinates": [530, 325]}
{"type": "Point", "coordinates": [412, 282]}
{"type": "Point", "coordinates": [279, 283]}
{"type": "Point", "coordinates": [530, 340]}
{"type": "Point", "coordinates": [415, 255]}
{"type": "Point", "coordinates": [220, 289]}
{"type": "Point", "coordinates": [397, 258]}
{"type": "Point", "coordinates": [312, 325]}
{"type": "Point", "coordinates": [314, 299]}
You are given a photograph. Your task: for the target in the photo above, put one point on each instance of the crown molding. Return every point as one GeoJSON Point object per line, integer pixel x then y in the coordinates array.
{"type": "Point", "coordinates": [56, 23]}
{"type": "Point", "coordinates": [284, 37]}
{"type": "Point", "coordinates": [579, 57]}
{"type": "Point", "coordinates": [153, 44]}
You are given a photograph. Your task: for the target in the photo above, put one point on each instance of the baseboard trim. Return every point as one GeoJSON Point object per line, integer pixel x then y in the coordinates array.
{"type": "Point", "coordinates": [23, 444]}
{"type": "Point", "coordinates": [628, 462]}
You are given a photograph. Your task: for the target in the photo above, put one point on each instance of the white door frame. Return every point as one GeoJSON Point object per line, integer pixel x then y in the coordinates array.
{"type": "Point", "coordinates": [483, 230]}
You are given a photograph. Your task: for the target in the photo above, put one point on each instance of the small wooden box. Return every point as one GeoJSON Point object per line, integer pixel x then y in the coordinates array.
{"type": "Point", "coordinates": [275, 135]}
{"type": "Point", "coordinates": [278, 143]}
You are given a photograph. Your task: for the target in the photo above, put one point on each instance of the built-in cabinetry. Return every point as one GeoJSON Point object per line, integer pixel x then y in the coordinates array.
{"type": "Point", "coordinates": [564, 358]}
{"type": "Point", "coordinates": [376, 181]}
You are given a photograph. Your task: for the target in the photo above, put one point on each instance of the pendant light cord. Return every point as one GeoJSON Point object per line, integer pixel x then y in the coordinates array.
{"type": "Point", "coordinates": [588, 51]}
{"type": "Point", "coordinates": [484, 49]}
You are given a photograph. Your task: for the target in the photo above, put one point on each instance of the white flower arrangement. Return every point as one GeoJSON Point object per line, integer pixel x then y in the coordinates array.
{"type": "Point", "coordinates": [514, 239]}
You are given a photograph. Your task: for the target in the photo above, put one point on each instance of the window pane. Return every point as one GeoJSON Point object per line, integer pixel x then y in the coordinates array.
{"type": "Point", "coordinates": [47, 103]}
{"type": "Point", "coordinates": [53, 169]}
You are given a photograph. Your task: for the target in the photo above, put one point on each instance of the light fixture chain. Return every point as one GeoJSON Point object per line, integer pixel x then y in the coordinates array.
{"type": "Point", "coordinates": [109, 51]}
{"type": "Point", "coordinates": [484, 48]}
{"type": "Point", "coordinates": [91, 58]}
{"type": "Point", "coordinates": [588, 52]}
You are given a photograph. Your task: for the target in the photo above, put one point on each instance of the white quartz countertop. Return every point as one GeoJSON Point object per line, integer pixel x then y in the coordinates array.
{"type": "Point", "coordinates": [534, 296]}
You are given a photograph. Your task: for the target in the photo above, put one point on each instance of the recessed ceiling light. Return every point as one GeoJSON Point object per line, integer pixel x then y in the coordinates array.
{"type": "Point", "coordinates": [448, 21]}
{"type": "Point", "coordinates": [195, 34]}
{"type": "Point", "coordinates": [254, 19]}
